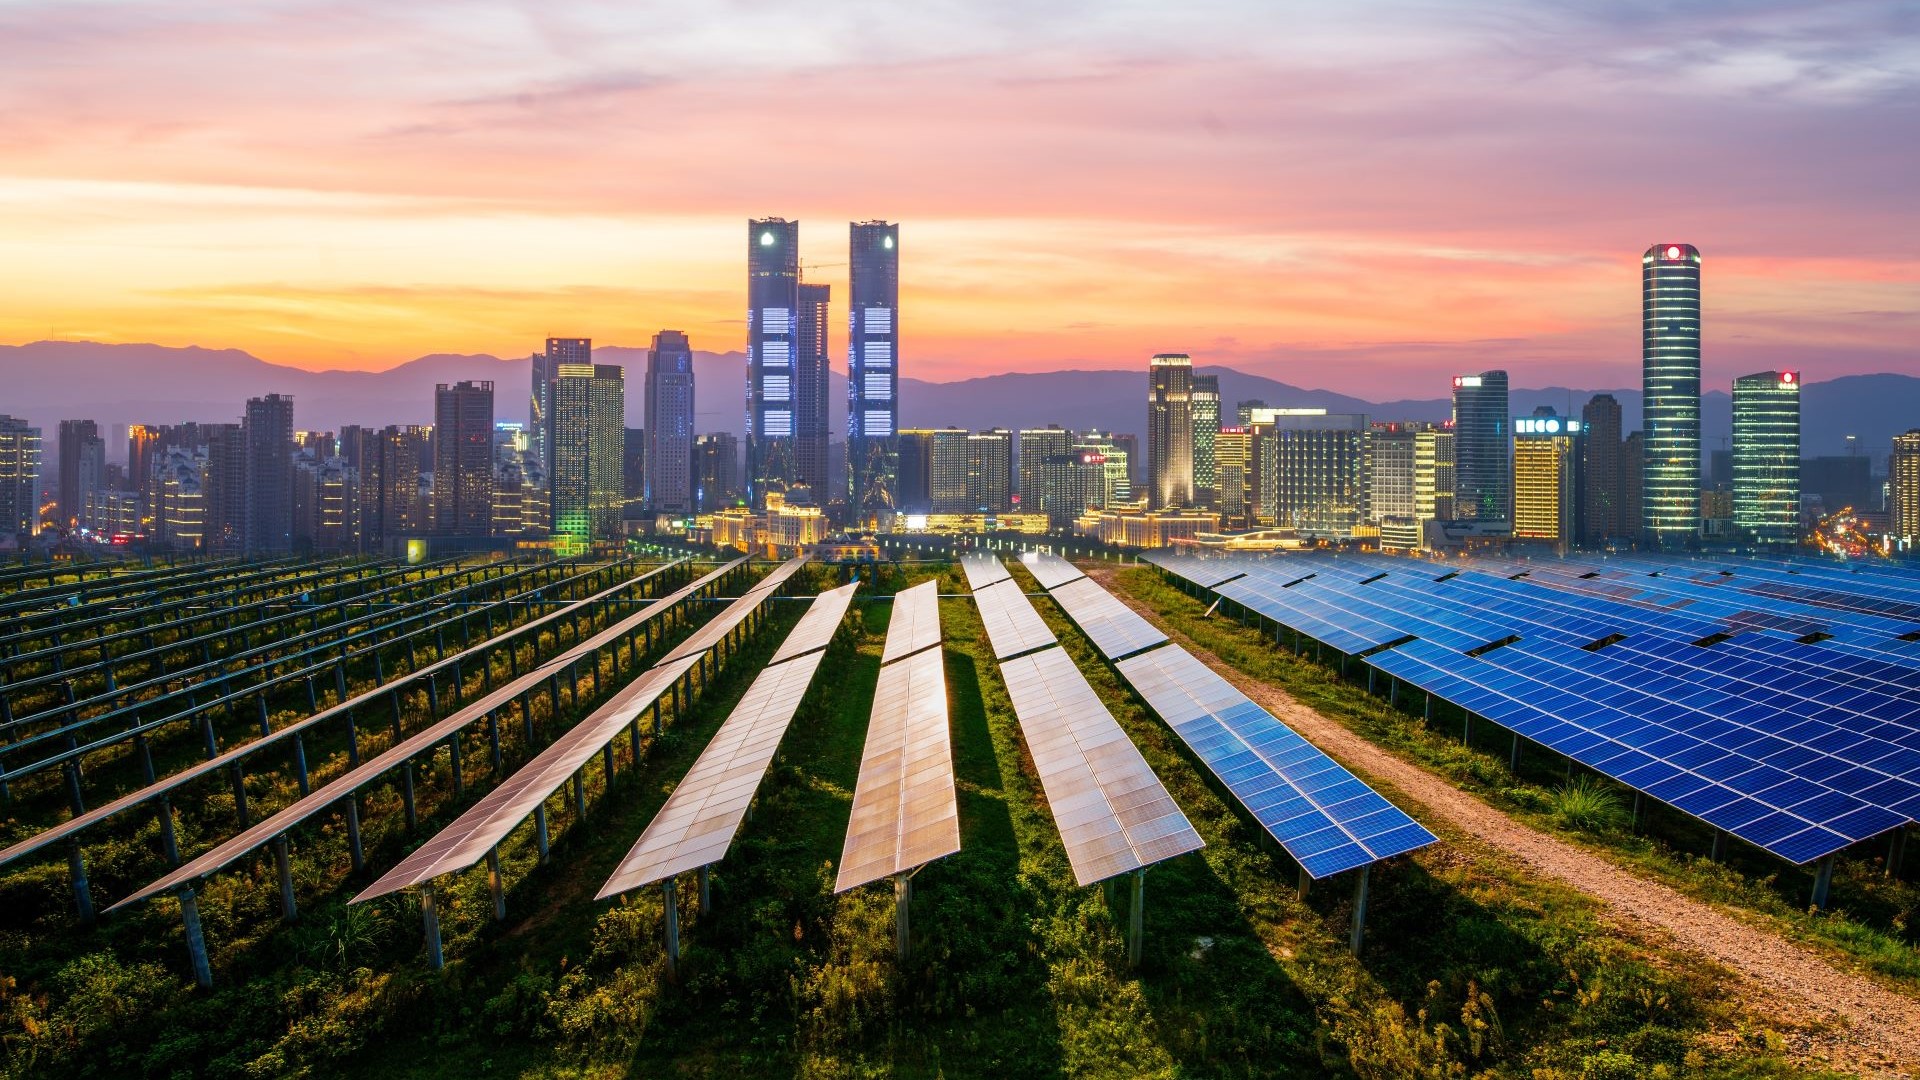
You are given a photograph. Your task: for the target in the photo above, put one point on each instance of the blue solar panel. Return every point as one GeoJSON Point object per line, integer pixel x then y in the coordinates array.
{"type": "Point", "coordinates": [1327, 819]}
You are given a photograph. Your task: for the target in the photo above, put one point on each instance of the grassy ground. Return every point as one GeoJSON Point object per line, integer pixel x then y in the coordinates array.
{"type": "Point", "coordinates": [1471, 967]}
{"type": "Point", "coordinates": [1870, 923]}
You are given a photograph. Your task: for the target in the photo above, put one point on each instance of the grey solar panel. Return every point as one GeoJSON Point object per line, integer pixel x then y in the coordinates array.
{"type": "Point", "coordinates": [418, 743]}
{"type": "Point", "coordinates": [1050, 570]}
{"type": "Point", "coordinates": [915, 624]}
{"type": "Point", "coordinates": [816, 628]}
{"type": "Point", "coordinates": [1013, 626]}
{"type": "Point", "coordinates": [1116, 629]}
{"type": "Point", "coordinates": [1327, 819]}
{"type": "Point", "coordinates": [489, 821]}
{"type": "Point", "coordinates": [722, 624]}
{"type": "Point", "coordinates": [983, 570]}
{"type": "Point", "coordinates": [905, 813]}
{"type": "Point", "coordinates": [1113, 813]}
{"type": "Point", "coordinates": [698, 823]}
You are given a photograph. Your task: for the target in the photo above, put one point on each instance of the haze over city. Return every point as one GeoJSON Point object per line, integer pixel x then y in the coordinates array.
{"type": "Point", "coordinates": [1370, 194]}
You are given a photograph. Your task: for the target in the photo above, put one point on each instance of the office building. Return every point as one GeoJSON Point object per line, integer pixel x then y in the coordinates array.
{"type": "Point", "coordinates": [773, 317]}
{"type": "Point", "coordinates": [19, 478]}
{"type": "Point", "coordinates": [520, 503]}
{"type": "Point", "coordinates": [1170, 431]}
{"type": "Point", "coordinates": [463, 459]}
{"type": "Point", "coordinates": [633, 475]}
{"type": "Point", "coordinates": [1766, 457]}
{"type": "Point", "coordinates": [587, 436]}
{"type": "Point", "coordinates": [387, 463]}
{"type": "Point", "coordinates": [1548, 496]}
{"type": "Point", "coordinates": [990, 471]}
{"type": "Point", "coordinates": [1243, 412]}
{"type": "Point", "coordinates": [326, 504]}
{"type": "Point", "coordinates": [914, 470]}
{"type": "Point", "coordinates": [1601, 443]}
{"type": "Point", "coordinates": [1433, 477]}
{"type": "Point", "coordinates": [540, 401]}
{"type": "Point", "coordinates": [83, 469]}
{"type": "Point", "coordinates": [948, 491]}
{"type": "Point", "coordinates": [1482, 443]}
{"type": "Point", "coordinates": [873, 368]}
{"type": "Point", "coordinates": [1206, 429]}
{"type": "Point", "coordinates": [1903, 490]}
{"type": "Point", "coordinates": [810, 450]}
{"type": "Point", "coordinates": [1312, 470]}
{"type": "Point", "coordinates": [1633, 471]}
{"type": "Point", "coordinates": [1117, 465]}
{"type": "Point", "coordinates": [1391, 482]}
{"type": "Point", "coordinates": [1047, 467]}
{"type": "Point", "coordinates": [143, 447]}
{"type": "Point", "coordinates": [668, 425]}
{"type": "Point", "coordinates": [1670, 376]}
{"type": "Point", "coordinates": [179, 506]}
{"type": "Point", "coordinates": [224, 516]}
{"type": "Point", "coordinates": [269, 475]}
{"type": "Point", "coordinates": [717, 471]}
{"type": "Point", "coordinates": [1232, 470]}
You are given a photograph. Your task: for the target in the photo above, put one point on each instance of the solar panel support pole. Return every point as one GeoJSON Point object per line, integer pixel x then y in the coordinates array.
{"type": "Point", "coordinates": [672, 912]}
{"type": "Point", "coordinates": [453, 760]}
{"type": "Point", "coordinates": [196, 939]}
{"type": "Point", "coordinates": [1897, 851]}
{"type": "Point", "coordinates": [1137, 917]}
{"type": "Point", "coordinates": [540, 831]}
{"type": "Point", "coordinates": [353, 835]}
{"type": "Point", "coordinates": [406, 794]}
{"type": "Point", "coordinates": [168, 843]}
{"type": "Point", "coordinates": [902, 907]}
{"type": "Point", "coordinates": [283, 867]}
{"type": "Point", "coordinates": [1306, 883]}
{"type": "Point", "coordinates": [493, 738]}
{"type": "Point", "coordinates": [430, 927]}
{"type": "Point", "coordinates": [1360, 911]}
{"type": "Point", "coordinates": [1822, 882]}
{"type": "Point", "coordinates": [494, 886]}
{"type": "Point", "coordinates": [1513, 760]}
{"type": "Point", "coordinates": [706, 896]}
{"type": "Point", "coordinates": [1719, 845]}
{"type": "Point", "coordinates": [82, 892]}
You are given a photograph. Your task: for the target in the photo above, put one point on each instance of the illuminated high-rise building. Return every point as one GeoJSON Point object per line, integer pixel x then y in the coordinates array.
{"type": "Point", "coordinates": [1433, 475]}
{"type": "Point", "coordinates": [1670, 375]}
{"type": "Point", "coordinates": [1548, 496]}
{"type": "Point", "coordinates": [810, 393]}
{"type": "Point", "coordinates": [1601, 443]}
{"type": "Point", "coordinates": [990, 471]}
{"type": "Point", "coordinates": [1047, 472]}
{"type": "Point", "coordinates": [462, 459]}
{"type": "Point", "coordinates": [1766, 457]}
{"type": "Point", "coordinates": [773, 318]}
{"type": "Point", "coordinates": [1311, 470]}
{"type": "Point", "coordinates": [588, 438]}
{"type": "Point", "coordinates": [1232, 470]}
{"type": "Point", "coordinates": [83, 468]}
{"type": "Point", "coordinates": [948, 490]}
{"type": "Point", "coordinates": [1170, 431]}
{"type": "Point", "coordinates": [19, 477]}
{"type": "Point", "coordinates": [717, 471]}
{"type": "Point", "coordinates": [1903, 489]}
{"type": "Point", "coordinates": [540, 401]}
{"type": "Point", "coordinates": [1206, 429]}
{"type": "Point", "coordinates": [269, 474]}
{"type": "Point", "coordinates": [668, 425]}
{"type": "Point", "coordinates": [1482, 445]}
{"type": "Point", "coordinates": [873, 368]}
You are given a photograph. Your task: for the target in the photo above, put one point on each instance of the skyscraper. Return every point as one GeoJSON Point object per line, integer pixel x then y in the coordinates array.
{"type": "Point", "coordinates": [1233, 463]}
{"type": "Point", "coordinates": [83, 468]}
{"type": "Point", "coordinates": [1047, 467]}
{"type": "Point", "coordinates": [810, 392]}
{"type": "Point", "coordinates": [1548, 499]}
{"type": "Point", "coordinates": [717, 467]}
{"type": "Point", "coordinates": [223, 491]}
{"type": "Point", "coordinates": [1903, 483]}
{"type": "Point", "coordinates": [1670, 375]}
{"type": "Point", "coordinates": [1312, 469]}
{"type": "Point", "coordinates": [269, 471]}
{"type": "Point", "coordinates": [1206, 429]}
{"type": "Point", "coordinates": [143, 447]}
{"type": "Point", "coordinates": [1170, 431]}
{"type": "Point", "coordinates": [1766, 457]}
{"type": "Point", "coordinates": [540, 403]}
{"type": "Point", "coordinates": [1601, 417]}
{"type": "Point", "coordinates": [1633, 471]}
{"type": "Point", "coordinates": [773, 314]}
{"type": "Point", "coordinates": [947, 489]}
{"type": "Point", "coordinates": [588, 438]}
{"type": "Point", "coordinates": [1482, 440]}
{"type": "Point", "coordinates": [873, 367]}
{"type": "Point", "coordinates": [19, 477]}
{"type": "Point", "coordinates": [463, 459]}
{"type": "Point", "coordinates": [669, 424]}
{"type": "Point", "coordinates": [990, 471]}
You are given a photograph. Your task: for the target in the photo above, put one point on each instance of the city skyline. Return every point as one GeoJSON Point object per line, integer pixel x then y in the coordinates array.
{"type": "Point", "coordinates": [273, 223]}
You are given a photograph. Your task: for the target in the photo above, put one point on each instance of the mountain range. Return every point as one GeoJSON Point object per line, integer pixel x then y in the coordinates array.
{"type": "Point", "coordinates": [117, 385]}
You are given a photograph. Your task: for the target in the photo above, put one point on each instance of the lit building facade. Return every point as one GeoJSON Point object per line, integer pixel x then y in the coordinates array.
{"type": "Point", "coordinates": [83, 468]}
{"type": "Point", "coordinates": [19, 478]}
{"type": "Point", "coordinates": [1903, 490]}
{"type": "Point", "coordinates": [1482, 444]}
{"type": "Point", "coordinates": [810, 393]}
{"type": "Point", "coordinates": [1206, 431]}
{"type": "Point", "coordinates": [1170, 431]}
{"type": "Point", "coordinates": [667, 429]}
{"type": "Point", "coordinates": [462, 460]}
{"type": "Point", "coordinates": [1232, 470]}
{"type": "Point", "coordinates": [1548, 496]}
{"type": "Point", "coordinates": [587, 434]}
{"type": "Point", "coordinates": [1670, 377]}
{"type": "Point", "coordinates": [1601, 441]}
{"type": "Point", "coordinates": [540, 399]}
{"type": "Point", "coordinates": [269, 474]}
{"type": "Point", "coordinates": [773, 325]}
{"type": "Point", "coordinates": [1312, 470]}
{"type": "Point", "coordinates": [1047, 470]}
{"type": "Point", "coordinates": [947, 491]}
{"type": "Point", "coordinates": [1766, 457]}
{"type": "Point", "coordinates": [717, 464]}
{"type": "Point", "coordinates": [990, 471]}
{"type": "Point", "coordinates": [873, 368]}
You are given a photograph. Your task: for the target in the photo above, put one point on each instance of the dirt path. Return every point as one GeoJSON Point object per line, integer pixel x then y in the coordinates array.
{"type": "Point", "coordinates": [1871, 1029]}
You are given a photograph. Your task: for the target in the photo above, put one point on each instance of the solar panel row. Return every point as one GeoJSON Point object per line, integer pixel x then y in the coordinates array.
{"type": "Point", "coordinates": [1050, 570]}
{"type": "Point", "coordinates": [1013, 626]}
{"type": "Point", "coordinates": [983, 570]}
{"type": "Point", "coordinates": [1116, 629]}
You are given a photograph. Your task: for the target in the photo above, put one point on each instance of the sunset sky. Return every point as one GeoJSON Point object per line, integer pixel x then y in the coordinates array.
{"type": "Point", "coordinates": [1359, 196]}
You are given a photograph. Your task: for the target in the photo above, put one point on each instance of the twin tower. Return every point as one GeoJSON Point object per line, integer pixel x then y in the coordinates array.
{"type": "Point", "coordinates": [787, 350]}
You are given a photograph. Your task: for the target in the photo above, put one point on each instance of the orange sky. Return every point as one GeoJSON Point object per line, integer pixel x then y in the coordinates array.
{"type": "Point", "coordinates": [1356, 197]}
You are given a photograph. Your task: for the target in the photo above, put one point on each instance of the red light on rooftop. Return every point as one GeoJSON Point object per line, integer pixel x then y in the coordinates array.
{"type": "Point", "coordinates": [1787, 377]}
{"type": "Point", "coordinates": [1673, 252]}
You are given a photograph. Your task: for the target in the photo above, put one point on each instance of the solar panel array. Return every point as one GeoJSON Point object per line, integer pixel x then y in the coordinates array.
{"type": "Point", "coordinates": [700, 819]}
{"type": "Point", "coordinates": [1113, 813]}
{"type": "Point", "coordinates": [1013, 626]}
{"type": "Point", "coordinates": [1326, 818]}
{"type": "Point", "coordinates": [489, 821]}
{"type": "Point", "coordinates": [349, 783]}
{"type": "Point", "coordinates": [1778, 701]}
{"type": "Point", "coordinates": [1116, 629]}
{"type": "Point", "coordinates": [983, 570]}
{"type": "Point", "coordinates": [1050, 570]}
{"type": "Point", "coordinates": [905, 812]}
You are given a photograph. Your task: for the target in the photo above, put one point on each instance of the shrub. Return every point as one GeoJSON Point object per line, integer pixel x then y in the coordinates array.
{"type": "Point", "coordinates": [1586, 803]}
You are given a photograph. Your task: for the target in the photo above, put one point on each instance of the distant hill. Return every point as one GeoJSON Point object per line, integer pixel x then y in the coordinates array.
{"type": "Point", "coordinates": [48, 381]}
